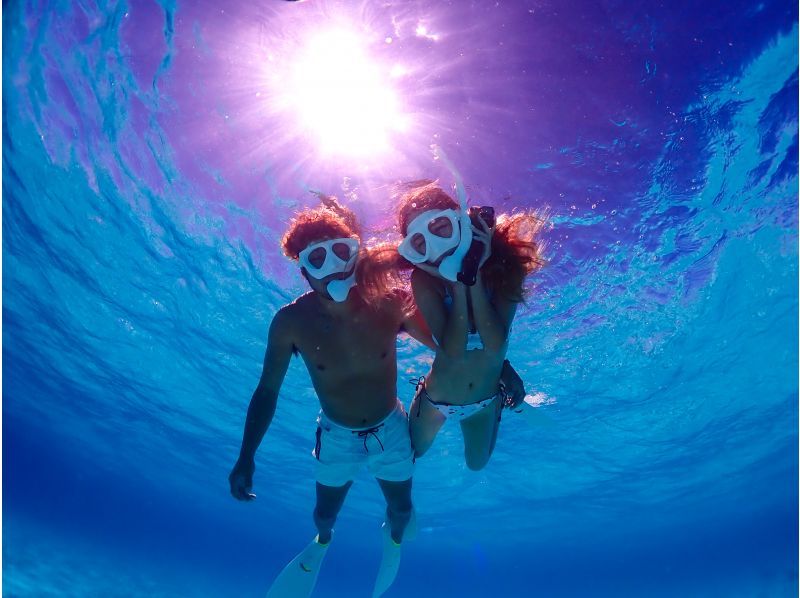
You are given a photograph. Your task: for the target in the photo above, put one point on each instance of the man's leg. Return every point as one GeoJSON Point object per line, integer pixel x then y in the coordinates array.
{"type": "Point", "coordinates": [329, 503]}
{"type": "Point", "coordinates": [299, 577]}
{"type": "Point", "coordinates": [398, 506]}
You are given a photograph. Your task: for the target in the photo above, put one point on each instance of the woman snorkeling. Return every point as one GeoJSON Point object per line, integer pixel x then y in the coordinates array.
{"type": "Point", "coordinates": [468, 313]}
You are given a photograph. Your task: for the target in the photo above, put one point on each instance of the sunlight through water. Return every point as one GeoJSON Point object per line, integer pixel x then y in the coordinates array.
{"type": "Point", "coordinates": [339, 96]}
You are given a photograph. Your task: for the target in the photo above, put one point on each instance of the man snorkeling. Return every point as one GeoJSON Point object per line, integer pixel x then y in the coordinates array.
{"type": "Point", "coordinates": [347, 339]}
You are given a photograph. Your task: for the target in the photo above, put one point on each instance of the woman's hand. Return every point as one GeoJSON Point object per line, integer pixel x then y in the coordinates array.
{"type": "Point", "coordinates": [484, 235]}
{"type": "Point", "coordinates": [514, 386]}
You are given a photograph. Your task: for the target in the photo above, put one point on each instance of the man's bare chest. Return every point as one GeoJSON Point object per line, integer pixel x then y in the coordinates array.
{"type": "Point", "coordinates": [352, 338]}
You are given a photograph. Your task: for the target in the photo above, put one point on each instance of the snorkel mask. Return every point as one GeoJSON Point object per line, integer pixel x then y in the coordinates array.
{"type": "Point", "coordinates": [436, 245]}
{"type": "Point", "coordinates": [327, 254]}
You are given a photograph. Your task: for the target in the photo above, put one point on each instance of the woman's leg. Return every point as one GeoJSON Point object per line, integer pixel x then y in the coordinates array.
{"type": "Point", "coordinates": [424, 421]}
{"type": "Point", "coordinates": [480, 435]}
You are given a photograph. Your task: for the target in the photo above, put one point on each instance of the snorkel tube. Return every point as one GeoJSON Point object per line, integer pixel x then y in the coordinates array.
{"type": "Point", "coordinates": [340, 289]}
{"type": "Point", "coordinates": [451, 265]}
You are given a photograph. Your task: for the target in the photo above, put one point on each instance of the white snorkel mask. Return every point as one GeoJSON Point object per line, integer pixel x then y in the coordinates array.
{"type": "Point", "coordinates": [332, 263]}
{"type": "Point", "coordinates": [460, 239]}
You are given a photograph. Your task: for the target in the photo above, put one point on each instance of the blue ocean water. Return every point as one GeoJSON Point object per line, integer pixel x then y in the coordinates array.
{"type": "Point", "coordinates": [145, 189]}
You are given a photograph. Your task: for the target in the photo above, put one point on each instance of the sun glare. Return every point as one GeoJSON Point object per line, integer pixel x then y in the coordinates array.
{"type": "Point", "coordinates": [341, 97]}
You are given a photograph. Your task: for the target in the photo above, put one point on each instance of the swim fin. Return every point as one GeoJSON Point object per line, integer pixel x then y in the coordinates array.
{"type": "Point", "coordinates": [298, 578]}
{"type": "Point", "coordinates": [529, 410]}
{"type": "Point", "coordinates": [390, 563]}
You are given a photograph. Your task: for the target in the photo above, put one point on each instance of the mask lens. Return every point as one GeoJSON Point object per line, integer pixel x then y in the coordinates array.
{"type": "Point", "coordinates": [441, 227]}
{"type": "Point", "coordinates": [418, 243]}
{"type": "Point", "coordinates": [317, 257]}
{"type": "Point", "coordinates": [342, 251]}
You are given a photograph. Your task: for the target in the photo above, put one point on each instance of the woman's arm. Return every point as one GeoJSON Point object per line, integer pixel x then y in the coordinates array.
{"type": "Point", "coordinates": [493, 322]}
{"type": "Point", "coordinates": [412, 321]}
{"type": "Point", "coordinates": [449, 329]}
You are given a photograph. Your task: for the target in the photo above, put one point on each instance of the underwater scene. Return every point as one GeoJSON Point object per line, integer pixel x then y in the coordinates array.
{"type": "Point", "coordinates": [156, 152]}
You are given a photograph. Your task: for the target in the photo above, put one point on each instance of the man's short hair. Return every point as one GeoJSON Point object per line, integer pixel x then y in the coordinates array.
{"type": "Point", "coordinates": [317, 224]}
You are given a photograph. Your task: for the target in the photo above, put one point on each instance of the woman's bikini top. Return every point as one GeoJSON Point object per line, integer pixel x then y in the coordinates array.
{"type": "Point", "coordinates": [474, 340]}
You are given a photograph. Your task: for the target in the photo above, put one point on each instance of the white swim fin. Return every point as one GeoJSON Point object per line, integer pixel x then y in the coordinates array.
{"type": "Point", "coordinates": [298, 578]}
{"type": "Point", "coordinates": [530, 410]}
{"type": "Point", "coordinates": [390, 563]}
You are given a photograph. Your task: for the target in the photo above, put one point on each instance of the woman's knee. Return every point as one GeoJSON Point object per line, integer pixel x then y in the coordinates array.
{"type": "Point", "coordinates": [421, 445]}
{"type": "Point", "coordinates": [480, 436]}
{"type": "Point", "coordinates": [477, 460]}
{"type": "Point", "coordinates": [421, 438]}
{"type": "Point", "coordinates": [477, 463]}
{"type": "Point", "coordinates": [423, 432]}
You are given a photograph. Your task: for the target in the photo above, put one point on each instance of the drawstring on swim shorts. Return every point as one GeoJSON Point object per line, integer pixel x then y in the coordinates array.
{"type": "Point", "coordinates": [365, 433]}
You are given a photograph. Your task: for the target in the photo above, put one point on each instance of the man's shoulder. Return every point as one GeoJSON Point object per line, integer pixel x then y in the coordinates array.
{"type": "Point", "coordinates": [302, 303]}
{"type": "Point", "coordinates": [292, 312]}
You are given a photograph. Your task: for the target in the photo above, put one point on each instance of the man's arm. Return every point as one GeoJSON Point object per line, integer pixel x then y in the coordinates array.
{"type": "Point", "coordinates": [262, 405]}
{"type": "Point", "coordinates": [413, 323]}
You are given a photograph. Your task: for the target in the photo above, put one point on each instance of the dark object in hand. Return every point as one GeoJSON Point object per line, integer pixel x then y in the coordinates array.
{"type": "Point", "coordinates": [469, 267]}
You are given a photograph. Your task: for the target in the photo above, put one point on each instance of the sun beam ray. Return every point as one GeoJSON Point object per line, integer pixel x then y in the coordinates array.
{"type": "Point", "coordinates": [340, 97]}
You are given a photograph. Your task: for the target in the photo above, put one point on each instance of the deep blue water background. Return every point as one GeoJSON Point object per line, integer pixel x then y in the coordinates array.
{"type": "Point", "coordinates": [145, 189]}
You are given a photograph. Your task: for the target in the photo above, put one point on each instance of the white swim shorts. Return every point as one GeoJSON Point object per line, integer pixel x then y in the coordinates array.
{"type": "Point", "coordinates": [384, 448]}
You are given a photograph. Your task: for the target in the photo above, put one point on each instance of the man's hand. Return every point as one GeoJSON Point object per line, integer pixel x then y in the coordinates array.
{"type": "Point", "coordinates": [515, 387]}
{"type": "Point", "coordinates": [241, 479]}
